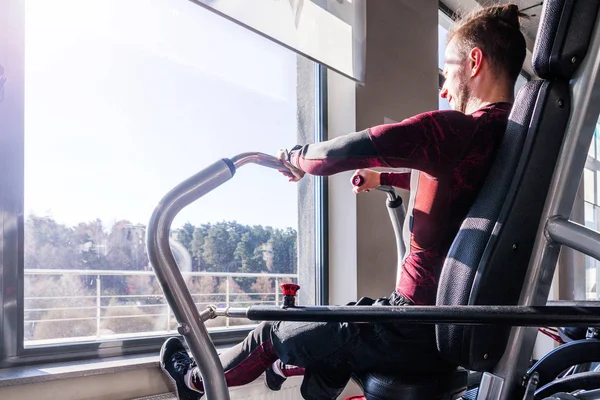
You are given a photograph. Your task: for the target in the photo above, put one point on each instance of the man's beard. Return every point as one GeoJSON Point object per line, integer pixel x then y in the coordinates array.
{"type": "Point", "coordinates": [463, 96]}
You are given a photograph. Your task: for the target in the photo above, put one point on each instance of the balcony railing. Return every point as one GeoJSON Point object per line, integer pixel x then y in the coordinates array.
{"type": "Point", "coordinates": [66, 305]}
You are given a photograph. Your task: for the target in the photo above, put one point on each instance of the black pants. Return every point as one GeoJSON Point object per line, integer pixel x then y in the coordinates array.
{"type": "Point", "coordinates": [331, 352]}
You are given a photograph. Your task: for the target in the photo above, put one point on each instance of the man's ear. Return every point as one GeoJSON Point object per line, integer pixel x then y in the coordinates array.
{"type": "Point", "coordinates": [475, 61]}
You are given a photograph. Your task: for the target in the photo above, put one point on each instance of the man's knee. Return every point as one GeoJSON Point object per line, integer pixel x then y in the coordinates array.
{"type": "Point", "coordinates": [309, 343]}
{"type": "Point", "coordinates": [260, 334]}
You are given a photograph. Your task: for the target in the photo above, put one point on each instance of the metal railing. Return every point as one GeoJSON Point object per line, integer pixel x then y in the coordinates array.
{"type": "Point", "coordinates": [94, 304]}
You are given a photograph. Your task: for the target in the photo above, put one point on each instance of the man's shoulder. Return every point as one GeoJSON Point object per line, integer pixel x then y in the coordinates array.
{"type": "Point", "coordinates": [441, 113]}
{"type": "Point", "coordinates": [448, 115]}
{"type": "Point", "coordinates": [446, 119]}
{"type": "Point", "coordinates": [443, 121]}
{"type": "Point", "coordinates": [495, 110]}
{"type": "Point", "coordinates": [490, 114]}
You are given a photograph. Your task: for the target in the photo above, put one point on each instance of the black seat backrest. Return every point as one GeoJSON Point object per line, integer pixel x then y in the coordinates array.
{"type": "Point", "coordinates": [488, 260]}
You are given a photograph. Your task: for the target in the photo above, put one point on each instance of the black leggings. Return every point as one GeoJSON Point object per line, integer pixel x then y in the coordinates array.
{"type": "Point", "coordinates": [330, 352]}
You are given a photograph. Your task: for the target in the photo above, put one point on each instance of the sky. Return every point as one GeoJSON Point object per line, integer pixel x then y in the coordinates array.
{"type": "Point", "coordinates": [126, 99]}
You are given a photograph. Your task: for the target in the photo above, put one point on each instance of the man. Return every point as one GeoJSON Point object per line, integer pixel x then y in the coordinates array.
{"type": "Point", "coordinates": [452, 151]}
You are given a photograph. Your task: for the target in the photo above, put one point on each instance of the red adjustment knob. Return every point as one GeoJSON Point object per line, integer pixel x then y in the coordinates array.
{"type": "Point", "coordinates": [289, 289]}
{"type": "Point", "coordinates": [358, 180]}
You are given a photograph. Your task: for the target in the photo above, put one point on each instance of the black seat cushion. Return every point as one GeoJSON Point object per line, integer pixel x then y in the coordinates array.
{"type": "Point", "coordinates": [563, 37]}
{"type": "Point", "coordinates": [388, 386]}
{"type": "Point", "coordinates": [463, 261]}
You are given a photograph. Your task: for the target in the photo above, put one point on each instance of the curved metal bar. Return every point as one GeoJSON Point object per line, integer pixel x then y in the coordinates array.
{"type": "Point", "coordinates": [583, 381]}
{"type": "Point", "coordinates": [169, 276]}
{"type": "Point", "coordinates": [257, 158]}
{"type": "Point", "coordinates": [564, 356]}
{"type": "Point", "coordinates": [397, 214]}
{"type": "Point", "coordinates": [390, 191]}
{"type": "Point", "coordinates": [574, 235]}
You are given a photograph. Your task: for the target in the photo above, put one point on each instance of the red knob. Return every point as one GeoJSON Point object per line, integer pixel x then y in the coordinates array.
{"type": "Point", "coordinates": [358, 180]}
{"type": "Point", "coordinates": [289, 289]}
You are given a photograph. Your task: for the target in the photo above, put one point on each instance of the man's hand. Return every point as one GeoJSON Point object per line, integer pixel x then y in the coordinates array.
{"type": "Point", "coordinates": [370, 180]}
{"type": "Point", "coordinates": [294, 174]}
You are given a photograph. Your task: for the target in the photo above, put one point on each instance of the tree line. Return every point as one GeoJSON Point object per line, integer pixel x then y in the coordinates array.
{"type": "Point", "coordinates": [225, 246]}
{"type": "Point", "coordinates": [63, 305]}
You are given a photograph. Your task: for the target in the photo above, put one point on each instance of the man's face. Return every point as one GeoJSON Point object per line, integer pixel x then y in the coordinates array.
{"type": "Point", "coordinates": [456, 72]}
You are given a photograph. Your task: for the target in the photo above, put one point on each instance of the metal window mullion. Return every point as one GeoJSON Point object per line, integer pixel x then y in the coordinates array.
{"type": "Point", "coordinates": [321, 193]}
{"type": "Point", "coordinates": [12, 27]}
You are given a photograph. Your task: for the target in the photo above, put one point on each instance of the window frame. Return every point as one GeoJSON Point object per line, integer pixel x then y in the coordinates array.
{"type": "Point", "coordinates": [593, 165]}
{"type": "Point", "coordinates": [12, 350]}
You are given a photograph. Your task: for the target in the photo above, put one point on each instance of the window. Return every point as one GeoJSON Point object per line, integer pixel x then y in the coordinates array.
{"type": "Point", "coordinates": [444, 23]}
{"type": "Point", "coordinates": [521, 81]}
{"type": "Point", "coordinates": [118, 114]}
{"type": "Point", "coordinates": [591, 197]}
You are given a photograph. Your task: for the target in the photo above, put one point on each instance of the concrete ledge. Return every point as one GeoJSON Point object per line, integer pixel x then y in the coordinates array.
{"type": "Point", "coordinates": [74, 369]}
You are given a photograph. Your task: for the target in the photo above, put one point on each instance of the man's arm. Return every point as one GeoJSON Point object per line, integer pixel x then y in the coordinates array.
{"type": "Point", "coordinates": [352, 151]}
{"type": "Point", "coordinates": [429, 142]}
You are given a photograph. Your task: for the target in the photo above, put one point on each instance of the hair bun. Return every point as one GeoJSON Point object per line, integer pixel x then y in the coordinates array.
{"type": "Point", "coordinates": [509, 14]}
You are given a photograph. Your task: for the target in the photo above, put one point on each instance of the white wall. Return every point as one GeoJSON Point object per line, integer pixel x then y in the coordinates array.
{"type": "Point", "coordinates": [401, 81]}
{"type": "Point", "coordinates": [342, 202]}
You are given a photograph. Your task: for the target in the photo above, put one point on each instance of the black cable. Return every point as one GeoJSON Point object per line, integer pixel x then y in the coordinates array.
{"type": "Point", "coordinates": [533, 6]}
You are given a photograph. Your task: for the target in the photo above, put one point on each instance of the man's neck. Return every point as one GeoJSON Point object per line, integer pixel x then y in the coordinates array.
{"type": "Point", "coordinates": [489, 94]}
{"type": "Point", "coordinates": [475, 104]}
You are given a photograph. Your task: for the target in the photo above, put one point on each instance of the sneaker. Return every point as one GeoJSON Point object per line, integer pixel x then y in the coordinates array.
{"type": "Point", "coordinates": [273, 380]}
{"type": "Point", "coordinates": [176, 362]}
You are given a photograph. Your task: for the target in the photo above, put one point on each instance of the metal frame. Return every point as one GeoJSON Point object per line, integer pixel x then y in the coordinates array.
{"type": "Point", "coordinates": [397, 213]}
{"type": "Point", "coordinates": [464, 315]}
{"type": "Point", "coordinates": [169, 276]}
{"type": "Point", "coordinates": [11, 180]}
{"type": "Point", "coordinates": [12, 350]}
{"type": "Point", "coordinates": [191, 322]}
{"type": "Point", "coordinates": [570, 354]}
{"type": "Point", "coordinates": [574, 235]}
{"type": "Point", "coordinates": [585, 108]}
{"type": "Point", "coordinates": [321, 194]}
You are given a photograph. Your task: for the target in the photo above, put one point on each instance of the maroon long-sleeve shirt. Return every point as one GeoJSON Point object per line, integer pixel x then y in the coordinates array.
{"type": "Point", "coordinates": [450, 153]}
